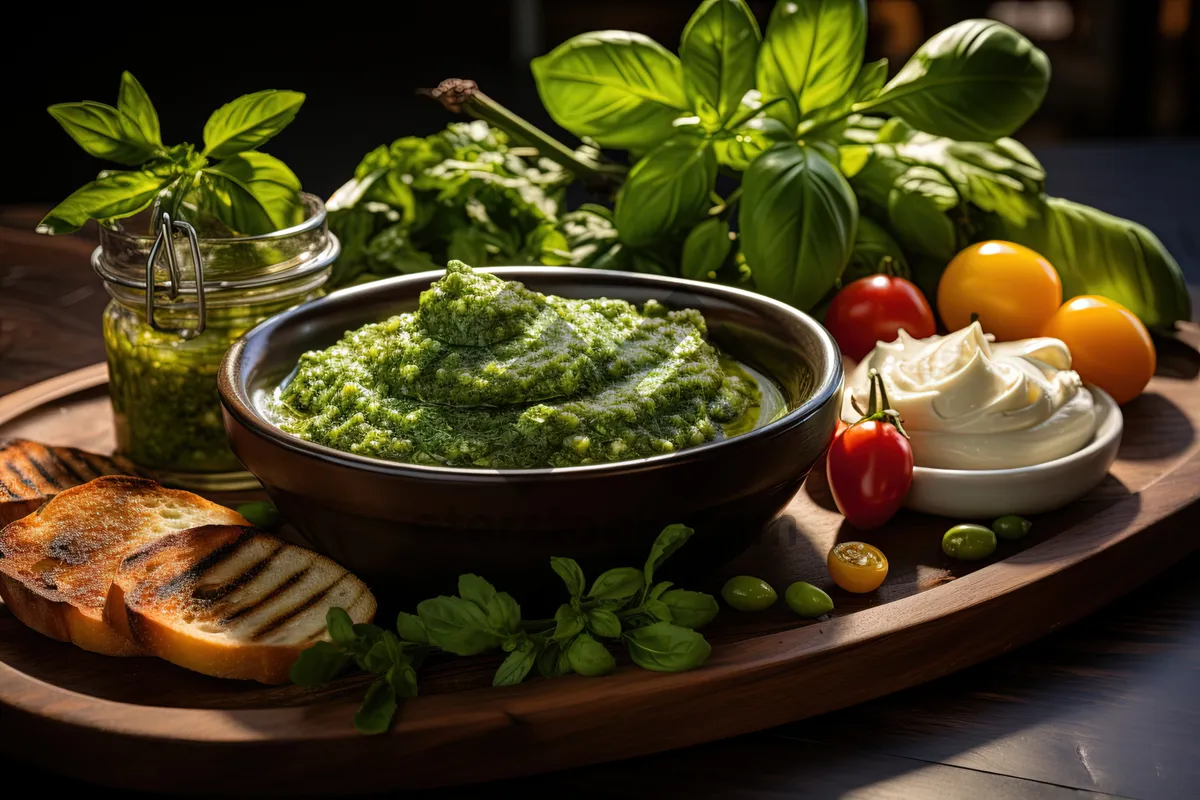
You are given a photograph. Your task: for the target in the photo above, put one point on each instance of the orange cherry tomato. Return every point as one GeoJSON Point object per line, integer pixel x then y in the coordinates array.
{"type": "Point", "coordinates": [1012, 290]}
{"type": "Point", "coordinates": [1110, 347]}
{"type": "Point", "coordinates": [857, 567]}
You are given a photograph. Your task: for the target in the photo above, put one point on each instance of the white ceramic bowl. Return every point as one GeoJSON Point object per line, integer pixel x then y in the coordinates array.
{"type": "Point", "coordinates": [989, 493]}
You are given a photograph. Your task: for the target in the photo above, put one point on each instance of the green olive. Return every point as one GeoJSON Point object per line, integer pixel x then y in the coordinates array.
{"type": "Point", "coordinates": [807, 600]}
{"type": "Point", "coordinates": [1011, 527]}
{"type": "Point", "coordinates": [748, 594]}
{"type": "Point", "coordinates": [262, 515]}
{"type": "Point", "coordinates": [969, 542]}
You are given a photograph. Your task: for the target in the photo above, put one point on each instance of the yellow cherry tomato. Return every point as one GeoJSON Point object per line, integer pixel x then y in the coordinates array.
{"type": "Point", "coordinates": [1012, 290]}
{"type": "Point", "coordinates": [857, 567]}
{"type": "Point", "coordinates": [1110, 347]}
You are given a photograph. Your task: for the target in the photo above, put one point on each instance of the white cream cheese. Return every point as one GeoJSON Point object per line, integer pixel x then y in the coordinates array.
{"type": "Point", "coordinates": [968, 403]}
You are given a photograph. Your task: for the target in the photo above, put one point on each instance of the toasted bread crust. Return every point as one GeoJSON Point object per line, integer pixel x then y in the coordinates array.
{"type": "Point", "coordinates": [192, 599]}
{"type": "Point", "coordinates": [31, 473]}
{"type": "Point", "coordinates": [57, 564]}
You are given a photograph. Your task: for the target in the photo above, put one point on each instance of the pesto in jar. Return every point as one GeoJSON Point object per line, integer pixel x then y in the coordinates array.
{"type": "Point", "coordinates": [490, 374]}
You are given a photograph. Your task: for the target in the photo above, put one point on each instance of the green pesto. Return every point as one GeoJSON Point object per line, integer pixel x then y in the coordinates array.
{"type": "Point", "coordinates": [490, 374]}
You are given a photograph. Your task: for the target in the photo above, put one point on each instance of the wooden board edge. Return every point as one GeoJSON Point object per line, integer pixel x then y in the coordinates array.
{"type": "Point", "coordinates": [25, 400]}
{"type": "Point", "coordinates": [959, 624]}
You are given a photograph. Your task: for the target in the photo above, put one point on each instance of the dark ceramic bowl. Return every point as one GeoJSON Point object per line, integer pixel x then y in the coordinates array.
{"type": "Point", "coordinates": [411, 529]}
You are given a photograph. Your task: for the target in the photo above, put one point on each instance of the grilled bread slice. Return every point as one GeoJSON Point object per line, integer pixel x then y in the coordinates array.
{"type": "Point", "coordinates": [230, 602]}
{"type": "Point", "coordinates": [57, 564]}
{"type": "Point", "coordinates": [32, 473]}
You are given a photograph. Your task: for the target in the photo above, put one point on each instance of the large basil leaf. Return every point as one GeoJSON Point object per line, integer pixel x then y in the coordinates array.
{"type": "Point", "coordinates": [917, 201]}
{"type": "Point", "coordinates": [667, 191]}
{"type": "Point", "coordinates": [104, 132]}
{"type": "Point", "coordinates": [811, 54]}
{"type": "Point", "coordinates": [1097, 253]}
{"type": "Point", "coordinates": [798, 218]}
{"type": "Point", "coordinates": [705, 250]}
{"type": "Point", "coordinates": [718, 52]}
{"type": "Point", "coordinates": [976, 81]}
{"type": "Point", "coordinates": [620, 88]}
{"type": "Point", "coordinates": [134, 103]}
{"type": "Point", "coordinates": [1001, 176]}
{"type": "Point", "coordinates": [875, 252]}
{"type": "Point", "coordinates": [264, 181]}
{"type": "Point", "coordinates": [919, 209]}
{"type": "Point", "coordinates": [114, 196]}
{"type": "Point", "coordinates": [249, 121]}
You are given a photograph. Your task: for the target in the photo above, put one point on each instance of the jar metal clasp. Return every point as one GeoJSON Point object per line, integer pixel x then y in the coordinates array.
{"type": "Point", "coordinates": [165, 239]}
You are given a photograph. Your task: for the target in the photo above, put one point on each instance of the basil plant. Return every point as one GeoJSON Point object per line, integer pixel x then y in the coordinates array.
{"type": "Point", "coordinates": [227, 186]}
{"type": "Point", "coordinates": [833, 164]}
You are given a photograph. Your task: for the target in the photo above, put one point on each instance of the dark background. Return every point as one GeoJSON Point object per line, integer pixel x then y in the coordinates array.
{"type": "Point", "coordinates": [1125, 75]}
{"type": "Point", "coordinates": [1122, 68]}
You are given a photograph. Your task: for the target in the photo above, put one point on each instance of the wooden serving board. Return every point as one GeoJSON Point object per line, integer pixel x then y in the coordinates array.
{"type": "Point", "coordinates": [144, 724]}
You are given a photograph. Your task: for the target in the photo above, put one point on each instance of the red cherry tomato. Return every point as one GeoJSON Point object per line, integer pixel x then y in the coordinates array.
{"type": "Point", "coordinates": [874, 309]}
{"type": "Point", "coordinates": [870, 471]}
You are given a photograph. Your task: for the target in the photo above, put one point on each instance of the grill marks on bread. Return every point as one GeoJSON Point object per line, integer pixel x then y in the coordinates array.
{"type": "Point", "coordinates": [31, 473]}
{"type": "Point", "coordinates": [56, 565]}
{"type": "Point", "coordinates": [220, 594]}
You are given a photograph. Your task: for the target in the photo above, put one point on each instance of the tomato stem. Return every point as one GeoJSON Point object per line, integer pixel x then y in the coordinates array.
{"type": "Point", "coordinates": [880, 408]}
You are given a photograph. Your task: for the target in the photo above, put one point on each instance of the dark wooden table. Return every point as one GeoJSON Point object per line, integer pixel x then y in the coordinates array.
{"type": "Point", "coordinates": [1107, 707]}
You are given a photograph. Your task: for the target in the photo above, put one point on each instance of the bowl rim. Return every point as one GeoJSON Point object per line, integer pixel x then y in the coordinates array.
{"type": "Point", "coordinates": [237, 403]}
{"type": "Point", "coordinates": [1101, 439]}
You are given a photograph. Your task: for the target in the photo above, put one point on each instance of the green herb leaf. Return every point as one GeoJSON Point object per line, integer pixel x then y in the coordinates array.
{"type": "Point", "coordinates": [659, 610]}
{"type": "Point", "coordinates": [476, 589]}
{"type": "Point", "coordinates": [319, 664]}
{"type": "Point", "coordinates": [810, 55]}
{"type": "Point", "coordinates": [622, 89]}
{"type": "Point", "coordinates": [134, 103]}
{"type": "Point", "coordinates": [663, 647]}
{"type": "Point", "coordinates": [504, 615]}
{"type": "Point", "coordinates": [617, 584]}
{"type": "Point", "coordinates": [875, 251]}
{"type": "Point", "coordinates": [590, 658]}
{"type": "Point", "coordinates": [378, 709]}
{"type": "Point", "coordinates": [116, 195]}
{"type": "Point", "coordinates": [377, 659]}
{"type": "Point", "coordinates": [718, 51]}
{"type": "Point", "coordinates": [798, 217]}
{"type": "Point", "coordinates": [341, 627]}
{"type": "Point", "coordinates": [260, 192]}
{"type": "Point", "coordinates": [249, 121]}
{"type": "Point", "coordinates": [666, 192]}
{"type": "Point", "coordinates": [659, 589]}
{"type": "Point", "coordinates": [705, 249]}
{"type": "Point", "coordinates": [411, 628]}
{"type": "Point", "coordinates": [570, 572]}
{"type": "Point", "coordinates": [261, 514]}
{"type": "Point", "coordinates": [104, 132]}
{"type": "Point", "coordinates": [457, 626]}
{"type": "Point", "coordinates": [666, 545]}
{"type": "Point", "coordinates": [603, 622]}
{"type": "Point", "coordinates": [403, 679]}
{"type": "Point", "coordinates": [552, 661]}
{"type": "Point", "coordinates": [978, 80]}
{"type": "Point", "coordinates": [690, 609]}
{"type": "Point", "coordinates": [750, 140]}
{"type": "Point", "coordinates": [568, 623]}
{"type": "Point", "coordinates": [516, 666]}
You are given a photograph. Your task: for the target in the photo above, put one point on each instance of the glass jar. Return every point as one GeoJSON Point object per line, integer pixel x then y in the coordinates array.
{"type": "Point", "coordinates": [164, 350]}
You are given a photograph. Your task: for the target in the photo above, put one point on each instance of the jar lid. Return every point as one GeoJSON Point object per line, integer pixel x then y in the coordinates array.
{"type": "Point", "coordinates": [190, 265]}
{"type": "Point", "coordinates": [232, 262]}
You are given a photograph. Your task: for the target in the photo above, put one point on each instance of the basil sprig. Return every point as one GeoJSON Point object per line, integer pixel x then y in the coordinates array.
{"type": "Point", "coordinates": [229, 187]}
{"type": "Point", "coordinates": [657, 623]}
